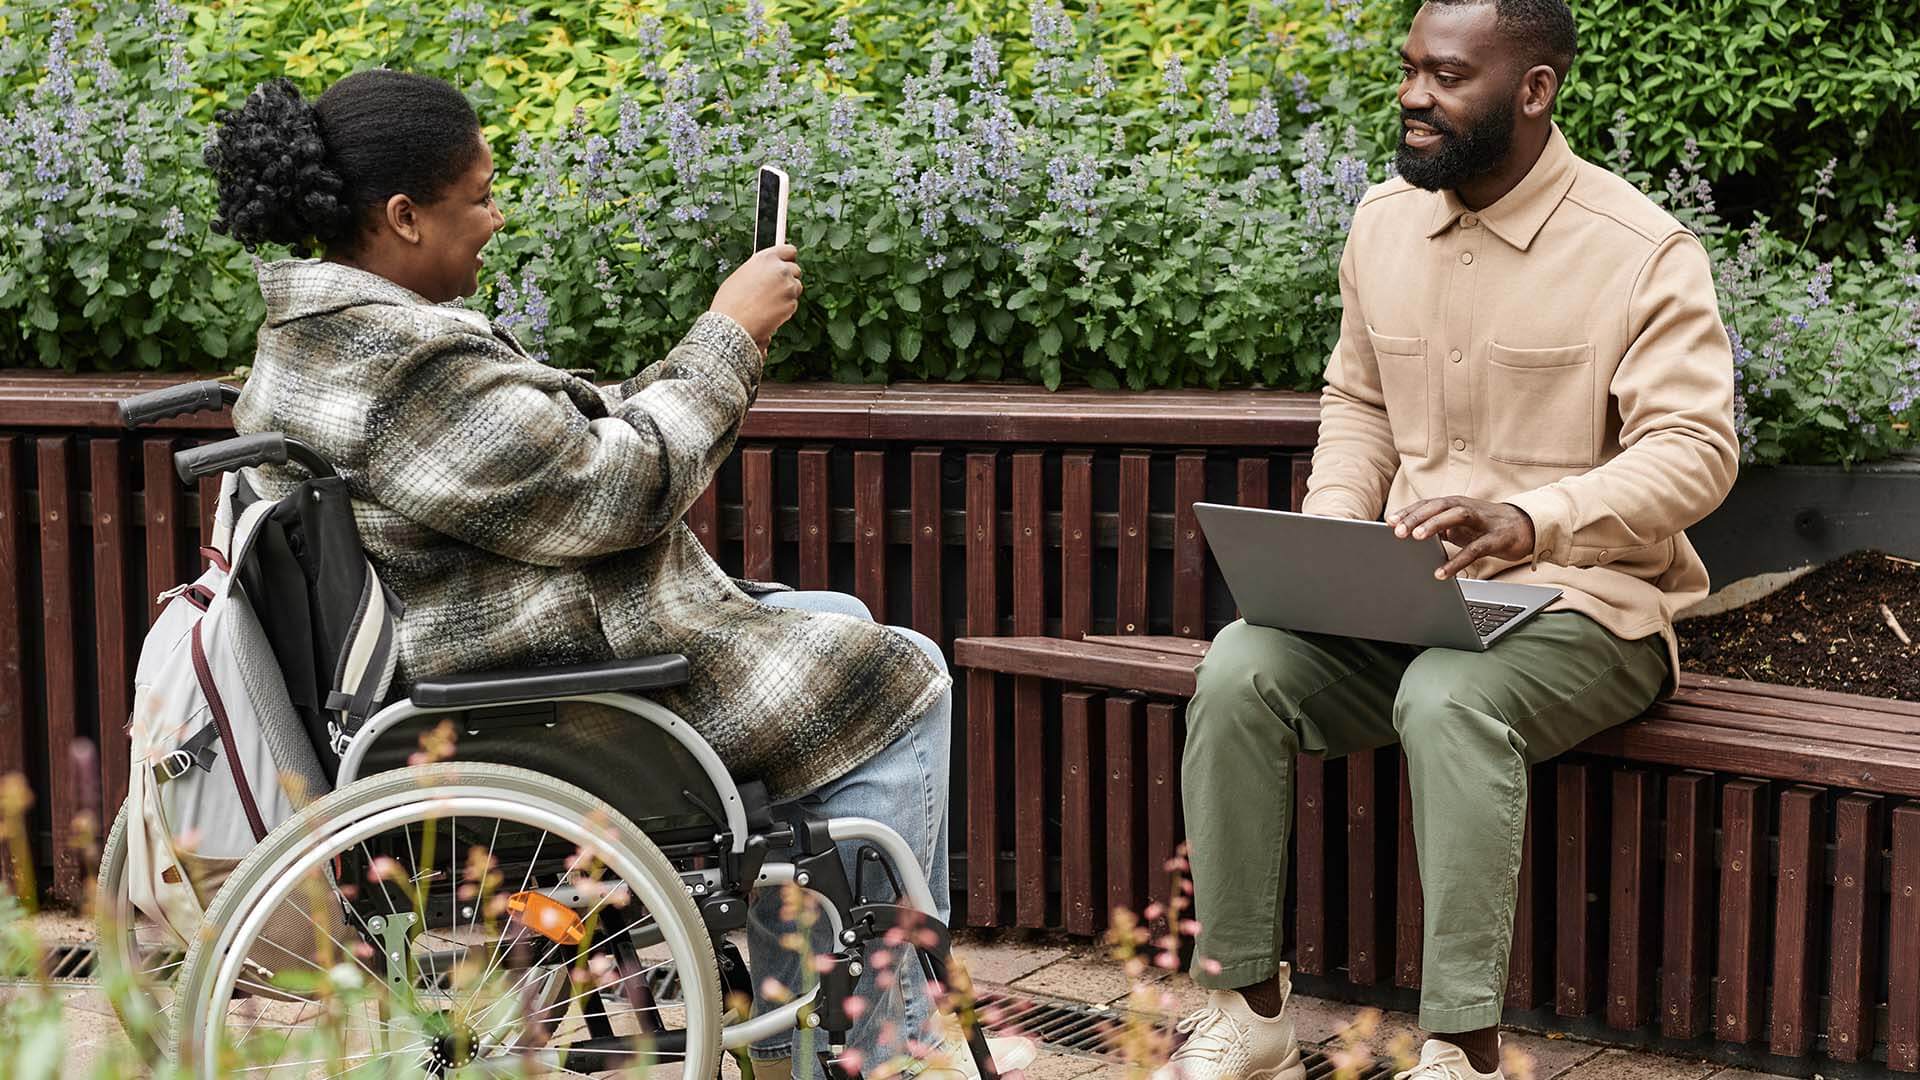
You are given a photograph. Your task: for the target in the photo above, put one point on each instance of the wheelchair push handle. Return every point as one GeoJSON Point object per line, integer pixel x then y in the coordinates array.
{"type": "Point", "coordinates": [193, 397]}
{"type": "Point", "coordinates": [263, 448]}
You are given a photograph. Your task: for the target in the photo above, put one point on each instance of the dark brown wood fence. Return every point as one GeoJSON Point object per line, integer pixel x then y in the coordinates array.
{"type": "Point", "coordinates": [952, 509]}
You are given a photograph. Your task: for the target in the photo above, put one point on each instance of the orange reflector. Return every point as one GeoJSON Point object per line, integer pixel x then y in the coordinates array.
{"type": "Point", "coordinates": [547, 917]}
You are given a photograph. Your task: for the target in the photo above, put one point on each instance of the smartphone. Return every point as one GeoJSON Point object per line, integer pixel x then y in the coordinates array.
{"type": "Point", "coordinates": [770, 215]}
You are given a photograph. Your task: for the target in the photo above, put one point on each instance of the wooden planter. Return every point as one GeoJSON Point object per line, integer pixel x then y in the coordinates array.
{"type": "Point", "coordinates": [1796, 515]}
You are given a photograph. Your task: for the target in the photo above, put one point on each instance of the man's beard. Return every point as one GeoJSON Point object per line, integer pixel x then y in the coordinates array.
{"type": "Point", "coordinates": [1461, 156]}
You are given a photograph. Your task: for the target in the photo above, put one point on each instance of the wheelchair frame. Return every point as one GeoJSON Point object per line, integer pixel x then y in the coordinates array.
{"type": "Point", "coordinates": [753, 844]}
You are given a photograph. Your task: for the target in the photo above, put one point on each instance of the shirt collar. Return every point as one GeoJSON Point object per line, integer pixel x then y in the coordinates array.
{"type": "Point", "coordinates": [1520, 214]}
{"type": "Point", "coordinates": [297, 288]}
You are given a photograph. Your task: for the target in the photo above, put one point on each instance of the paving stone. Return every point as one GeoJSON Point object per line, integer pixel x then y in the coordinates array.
{"type": "Point", "coordinates": [1394, 1035]}
{"type": "Point", "coordinates": [1317, 1020]}
{"type": "Point", "coordinates": [1550, 1057]}
{"type": "Point", "coordinates": [1000, 963]}
{"type": "Point", "coordinates": [1090, 976]}
{"type": "Point", "coordinates": [1172, 997]}
{"type": "Point", "coordinates": [93, 1039]}
{"type": "Point", "coordinates": [1057, 1067]}
{"type": "Point", "coordinates": [1747, 1074]}
{"type": "Point", "coordinates": [1637, 1065]}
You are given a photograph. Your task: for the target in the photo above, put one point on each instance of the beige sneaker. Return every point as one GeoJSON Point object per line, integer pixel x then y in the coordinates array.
{"type": "Point", "coordinates": [1227, 1040]}
{"type": "Point", "coordinates": [1444, 1061]}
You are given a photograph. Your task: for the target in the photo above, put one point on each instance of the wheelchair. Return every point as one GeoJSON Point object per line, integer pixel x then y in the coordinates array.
{"type": "Point", "coordinates": [516, 872]}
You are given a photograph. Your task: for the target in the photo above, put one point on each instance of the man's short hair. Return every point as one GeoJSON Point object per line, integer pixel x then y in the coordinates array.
{"type": "Point", "coordinates": [1544, 29]}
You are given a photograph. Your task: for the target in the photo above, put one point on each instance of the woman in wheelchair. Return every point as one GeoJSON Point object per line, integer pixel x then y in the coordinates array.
{"type": "Point", "coordinates": [527, 518]}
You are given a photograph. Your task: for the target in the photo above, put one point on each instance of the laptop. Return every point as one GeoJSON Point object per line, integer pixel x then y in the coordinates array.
{"type": "Point", "coordinates": [1356, 579]}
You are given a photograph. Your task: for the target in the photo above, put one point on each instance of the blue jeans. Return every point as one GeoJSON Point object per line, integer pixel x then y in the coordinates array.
{"type": "Point", "coordinates": [904, 786]}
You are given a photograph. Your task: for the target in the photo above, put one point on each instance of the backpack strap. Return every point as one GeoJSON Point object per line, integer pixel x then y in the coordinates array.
{"type": "Point", "coordinates": [204, 673]}
{"type": "Point", "coordinates": [367, 663]}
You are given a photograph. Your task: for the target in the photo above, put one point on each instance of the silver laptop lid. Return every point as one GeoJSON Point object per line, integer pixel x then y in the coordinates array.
{"type": "Point", "coordinates": [1334, 576]}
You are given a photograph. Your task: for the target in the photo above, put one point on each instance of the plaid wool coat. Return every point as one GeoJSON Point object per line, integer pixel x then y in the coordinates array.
{"type": "Point", "coordinates": [527, 517]}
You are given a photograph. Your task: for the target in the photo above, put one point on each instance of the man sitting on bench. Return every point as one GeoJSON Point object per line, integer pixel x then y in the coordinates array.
{"type": "Point", "coordinates": [1532, 367]}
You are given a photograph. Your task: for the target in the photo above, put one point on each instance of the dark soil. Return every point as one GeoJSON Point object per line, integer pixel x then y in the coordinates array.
{"type": "Point", "coordinates": [1828, 630]}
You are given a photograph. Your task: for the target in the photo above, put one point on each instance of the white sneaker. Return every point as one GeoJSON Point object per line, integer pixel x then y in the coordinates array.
{"type": "Point", "coordinates": [1227, 1040]}
{"type": "Point", "coordinates": [954, 1059]}
{"type": "Point", "coordinates": [1444, 1061]}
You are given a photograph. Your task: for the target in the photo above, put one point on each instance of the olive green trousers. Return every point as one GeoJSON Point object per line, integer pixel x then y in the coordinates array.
{"type": "Point", "coordinates": [1469, 724]}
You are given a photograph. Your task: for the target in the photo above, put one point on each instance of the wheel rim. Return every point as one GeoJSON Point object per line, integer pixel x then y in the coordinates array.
{"type": "Point", "coordinates": [139, 960]}
{"type": "Point", "coordinates": [475, 983]}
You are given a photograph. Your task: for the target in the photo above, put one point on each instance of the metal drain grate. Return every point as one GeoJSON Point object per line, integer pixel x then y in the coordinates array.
{"type": "Point", "coordinates": [1094, 1031]}
{"type": "Point", "coordinates": [66, 963]}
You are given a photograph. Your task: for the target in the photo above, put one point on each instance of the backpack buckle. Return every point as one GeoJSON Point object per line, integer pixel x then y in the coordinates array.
{"type": "Point", "coordinates": [175, 765]}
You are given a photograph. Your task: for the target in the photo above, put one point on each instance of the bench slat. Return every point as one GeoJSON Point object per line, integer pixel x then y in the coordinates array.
{"type": "Point", "coordinates": [924, 508]}
{"type": "Point", "coordinates": [756, 485]}
{"type": "Point", "coordinates": [1083, 867]}
{"type": "Point", "coordinates": [1903, 981]}
{"type": "Point", "coordinates": [60, 638]}
{"type": "Point", "coordinates": [1632, 920]}
{"type": "Point", "coordinates": [110, 613]}
{"type": "Point", "coordinates": [1189, 547]}
{"type": "Point", "coordinates": [1125, 716]}
{"type": "Point", "coordinates": [1530, 958]}
{"type": "Point", "coordinates": [1796, 921]}
{"type": "Point", "coordinates": [1369, 924]}
{"type": "Point", "coordinates": [816, 463]}
{"type": "Point", "coordinates": [1410, 908]}
{"type": "Point", "coordinates": [1856, 820]}
{"type": "Point", "coordinates": [870, 531]}
{"type": "Point", "coordinates": [1743, 897]}
{"type": "Point", "coordinates": [1686, 949]}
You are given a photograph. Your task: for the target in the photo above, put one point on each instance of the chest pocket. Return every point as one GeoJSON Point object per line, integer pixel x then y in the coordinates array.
{"type": "Point", "coordinates": [1403, 385]}
{"type": "Point", "coordinates": [1543, 405]}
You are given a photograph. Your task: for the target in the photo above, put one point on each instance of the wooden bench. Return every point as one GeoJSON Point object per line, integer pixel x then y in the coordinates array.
{"type": "Point", "coordinates": [1712, 867]}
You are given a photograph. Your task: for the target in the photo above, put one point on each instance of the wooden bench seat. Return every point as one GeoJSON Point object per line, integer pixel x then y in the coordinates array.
{"type": "Point", "coordinates": [1714, 864]}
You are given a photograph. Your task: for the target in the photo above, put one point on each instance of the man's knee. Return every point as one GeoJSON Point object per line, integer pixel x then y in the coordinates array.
{"type": "Point", "coordinates": [1246, 684]}
{"type": "Point", "coordinates": [1445, 703]}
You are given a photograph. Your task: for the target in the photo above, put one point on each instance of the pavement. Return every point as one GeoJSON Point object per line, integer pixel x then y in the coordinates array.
{"type": "Point", "coordinates": [1086, 974]}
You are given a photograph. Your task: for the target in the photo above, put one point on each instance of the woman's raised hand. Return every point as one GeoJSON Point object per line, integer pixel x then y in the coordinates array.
{"type": "Point", "coordinates": [763, 293]}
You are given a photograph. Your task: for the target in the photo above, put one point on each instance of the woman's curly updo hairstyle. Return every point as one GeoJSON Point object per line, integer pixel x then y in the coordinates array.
{"type": "Point", "coordinates": [295, 172]}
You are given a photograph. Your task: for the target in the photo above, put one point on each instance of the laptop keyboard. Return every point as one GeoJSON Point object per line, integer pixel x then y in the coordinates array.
{"type": "Point", "coordinates": [1488, 617]}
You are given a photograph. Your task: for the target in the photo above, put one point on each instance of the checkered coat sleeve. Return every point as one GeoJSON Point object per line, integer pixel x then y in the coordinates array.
{"type": "Point", "coordinates": [528, 517]}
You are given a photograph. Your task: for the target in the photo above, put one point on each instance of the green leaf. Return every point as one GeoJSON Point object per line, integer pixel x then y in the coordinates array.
{"type": "Point", "coordinates": [840, 329]}
{"type": "Point", "coordinates": [880, 243]}
{"type": "Point", "coordinates": [907, 297]}
{"type": "Point", "coordinates": [213, 342]}
{"type": "Point", "coordinates": [1050, 340]}
{"type": "Point", "coordinates": [955, 280]}
{"type": "Point", "coordinates": [873, 341]}
{"type": "Point", "coordinates": [960, 329]}
{"type": "Point", "coordinates": [909, 343]}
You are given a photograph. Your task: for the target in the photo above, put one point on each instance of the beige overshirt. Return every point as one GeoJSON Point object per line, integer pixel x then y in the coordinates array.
{"type": "Point", "coordinates": [1560, 350]}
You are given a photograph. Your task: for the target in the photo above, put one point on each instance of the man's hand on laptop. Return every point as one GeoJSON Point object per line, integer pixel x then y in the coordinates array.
{"type": "Point", "coordinates": [1478, 528]}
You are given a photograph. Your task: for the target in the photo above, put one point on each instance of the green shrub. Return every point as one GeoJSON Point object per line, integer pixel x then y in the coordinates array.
{"type": "Point", "coordinates": [968, 206]}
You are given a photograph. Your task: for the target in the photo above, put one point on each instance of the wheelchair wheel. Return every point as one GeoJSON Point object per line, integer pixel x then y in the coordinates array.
{"type": "Point", "coordinates": [137, 959]}
{"type": "Point", "coordinates": [457, 918]}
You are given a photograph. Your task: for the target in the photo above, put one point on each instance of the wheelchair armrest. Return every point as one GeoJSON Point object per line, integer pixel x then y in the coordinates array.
{"type": "Point", "coordinates": [534, 684]}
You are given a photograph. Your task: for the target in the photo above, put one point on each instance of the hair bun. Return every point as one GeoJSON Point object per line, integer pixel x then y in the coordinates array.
{"type": "Point", "coordinates": [269, 158]}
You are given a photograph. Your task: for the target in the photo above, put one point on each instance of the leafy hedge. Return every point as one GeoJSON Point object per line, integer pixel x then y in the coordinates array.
{"type": "Point", "coordinates": [1069, 198]}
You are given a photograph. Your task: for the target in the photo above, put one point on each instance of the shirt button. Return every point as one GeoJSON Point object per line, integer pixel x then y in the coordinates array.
{"type": "Point", "coordinates": [1454, 356]}
{"type": "Point", "coordinates": [1459, 444]}
{"type": "Point", "coordinates": [1469, 221]}
{"type": "Point", "coordinates": [1467, 257]}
